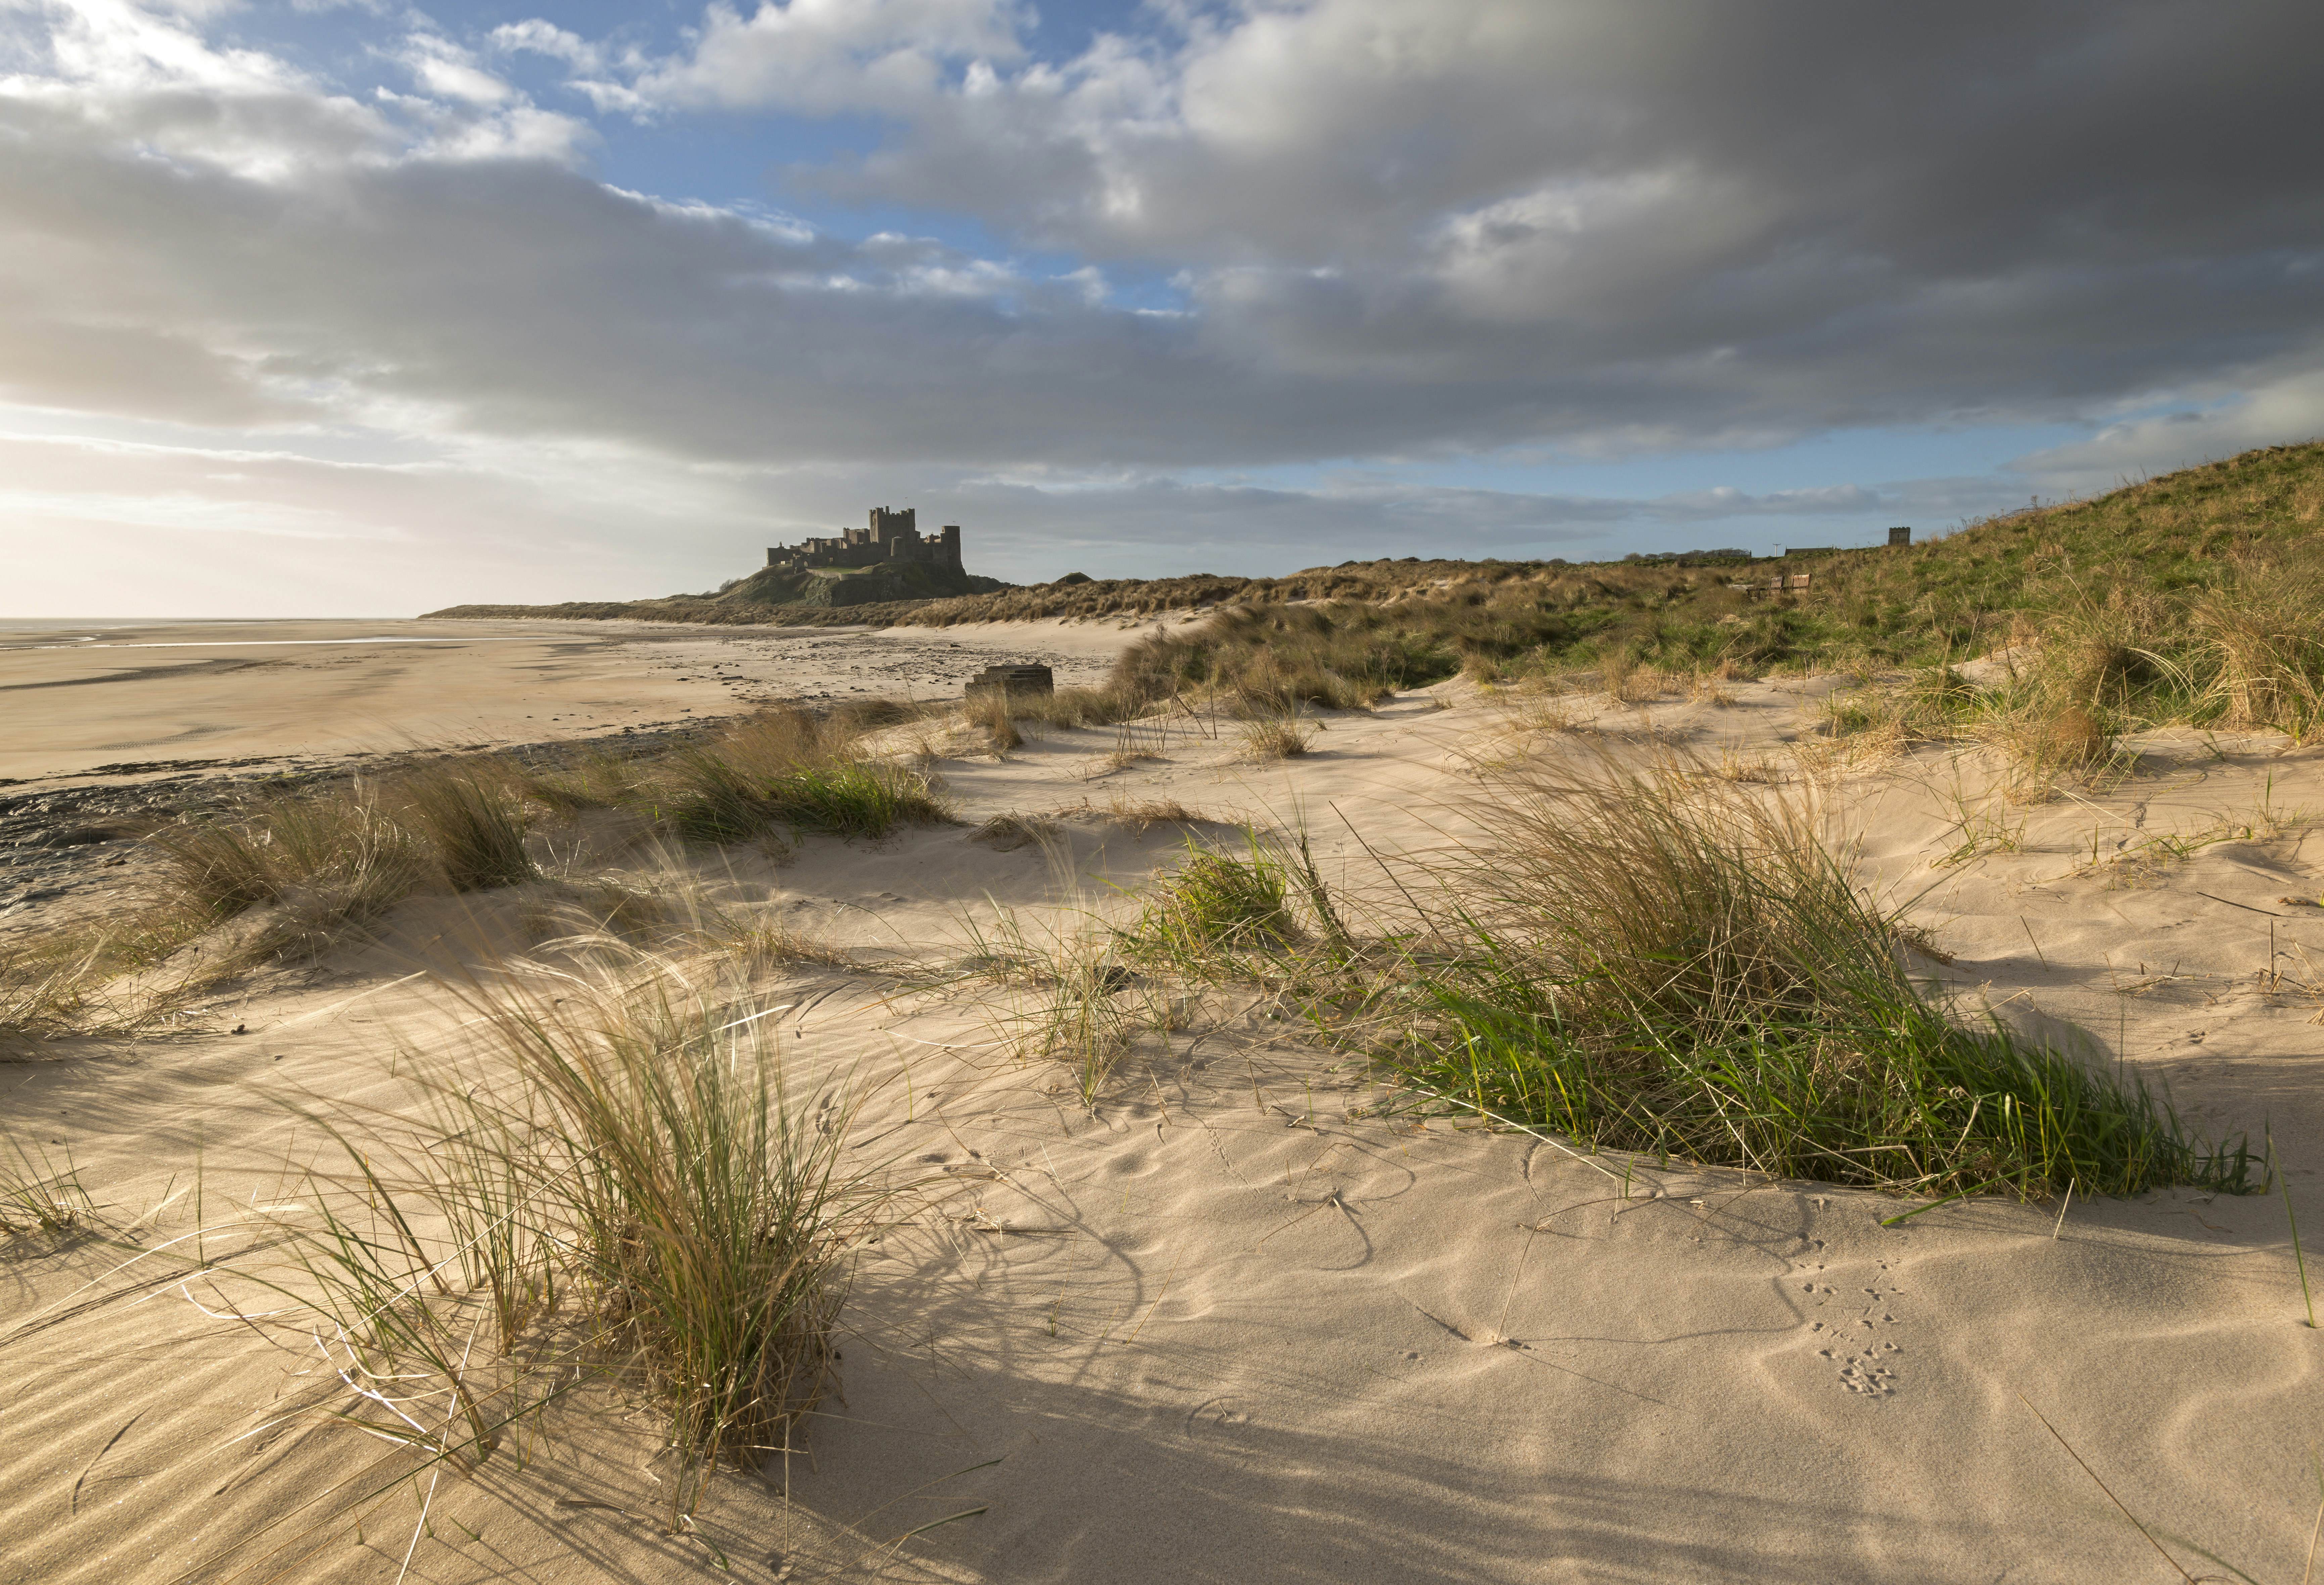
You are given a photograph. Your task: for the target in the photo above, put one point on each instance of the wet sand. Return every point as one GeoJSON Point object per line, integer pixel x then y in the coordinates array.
{"type": "Point", "coordinates": [81, 700]}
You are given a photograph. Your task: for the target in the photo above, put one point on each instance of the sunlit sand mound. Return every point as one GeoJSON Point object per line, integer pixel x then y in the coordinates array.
{"type": "Point", "coordinates": [1079, 1142]}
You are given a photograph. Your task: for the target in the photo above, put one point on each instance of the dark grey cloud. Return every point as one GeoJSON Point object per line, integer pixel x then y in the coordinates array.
{"type": "Point", "coordinates": [1622, 222]}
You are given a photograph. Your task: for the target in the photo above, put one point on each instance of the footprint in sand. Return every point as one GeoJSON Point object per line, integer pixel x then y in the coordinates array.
{"type": "Point", "coordinates": [1867, 1357]}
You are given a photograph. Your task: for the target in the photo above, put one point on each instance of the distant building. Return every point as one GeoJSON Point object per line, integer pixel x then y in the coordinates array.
{"type": "Point", "coordinates": [1899, 539]}
{"type": "Point", "coordinates": [889, 537]}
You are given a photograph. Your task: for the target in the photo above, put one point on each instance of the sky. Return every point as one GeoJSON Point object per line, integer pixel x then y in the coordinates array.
{"type": "Point", "coordinates": [321, 310]}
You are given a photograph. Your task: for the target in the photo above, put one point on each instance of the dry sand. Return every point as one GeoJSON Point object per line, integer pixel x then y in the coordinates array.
{"type": "Point", "coordinates": [1231, 1325]}
{"type": "Point", "coordinates": [76, 698]}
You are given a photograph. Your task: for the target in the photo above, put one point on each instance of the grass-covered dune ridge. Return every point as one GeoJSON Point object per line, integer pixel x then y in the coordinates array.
{"type": "Point", "coordinates": [2197, 597]}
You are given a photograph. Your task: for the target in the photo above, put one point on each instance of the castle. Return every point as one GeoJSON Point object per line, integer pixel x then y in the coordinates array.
{"type": "Point", "coordinates": [893, 537]}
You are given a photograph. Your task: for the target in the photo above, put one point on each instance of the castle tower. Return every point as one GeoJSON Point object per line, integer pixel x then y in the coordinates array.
{"type": "Point", "coordinates": [947, 546]}
{"type": "Point", "coordinates": [1902, 535]}
{"type": "Point", "coordinates": [904, 524]}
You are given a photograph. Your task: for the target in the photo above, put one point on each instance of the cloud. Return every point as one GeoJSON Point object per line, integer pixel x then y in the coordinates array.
{"type": "Point", "coordinates": [2275, 406]}
{"type": "Point", "coordinates": [543, 38]}
{"type": "Point", "coordinates": [1398, 229]}
{"type": "Point", "coordinates": [825, 56]}
{"type": "Point", "coordinates": [1394, 235]}
{"type": "Point", "coordinates": [449, 71]}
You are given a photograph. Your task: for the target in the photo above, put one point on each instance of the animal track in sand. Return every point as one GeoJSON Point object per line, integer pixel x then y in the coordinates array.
{"type": "Point", "coordinates": [1865, 1358]}
{"type": "Point", "coordinates": [1222, 1421]}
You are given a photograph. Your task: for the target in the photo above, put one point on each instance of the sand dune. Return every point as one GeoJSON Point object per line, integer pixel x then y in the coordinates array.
{"type": "Point", "coordinates": [1237, 1320]}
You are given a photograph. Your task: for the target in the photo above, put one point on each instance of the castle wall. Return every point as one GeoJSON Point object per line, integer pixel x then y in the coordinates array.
{"type": "Point", "coordinates": [889, 535]}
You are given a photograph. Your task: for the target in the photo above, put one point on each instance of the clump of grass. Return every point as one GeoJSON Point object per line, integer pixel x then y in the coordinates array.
{"type": "Point", "coordinates": [57, 982]}
{"type": "Point", "coordinates": [1628, 680]}
{"type": "Point", "coordinates": [855, 799]}
{"type": "Point", "coordinates": [325, 862]}
{"type": "Point", "coordinates": [1935, 704]}
{"type": "Point", "coordinates": [339, 857]}
{"type": "Point", "coordinates": [623, 910]}
{"type": "Point", "coordinates": [2261, 634]}
{"type": "Point", "coordinates": [1077, 1003]}
{"type": "Point", "coordinates": [767, 943]}
{"type": "Point", "coordinates": [1653, 962]}
{"type": "Point", "coordinates": [1003, 713]}
{"type": "Point", "coordinates": [1215, 905]}
{"type": "Point", "coordinates": [704, 1204]}
{"type": "Point", "coordinates": [595, 780]}
{"type": "Point", "coordinates": [1142, 815]}
{"type": "Point", "coordinates": [786, 770]}
{"type": "Point", "coordinates": [1536, 708]}
{"type": "Point", "coordinates": [1733, 767]}
{"type": "Point", "coordinates": [472, 823]}
{"type": "Point", "coordinates": [1860, 715]}
{"type": "Point", "coordinates": [1135, 742]}
{"type": "Point", "coordinates": [2105, 653]}
{"type": "Point", "coordinates": [1280, 680]}
{"type": "Point", "coordinates": [622, 1182]}
{"type": "Point", "coordinates": [854, 717]}
{"type": "Point", "coordinates": [1277, 737]}
{"type": "Point", "coordinates": [45, 987]}
{"type": "Point", "coordinates": [37, 1195]}
{"type": "Point", "coordinates": [2048, 744]}
{"type": "Point", "coordinates": [1008, 833]}
{"type": "Point", "coordinates": [1105, 706]}
{"type": "Point", "coordinates": [995, 711]}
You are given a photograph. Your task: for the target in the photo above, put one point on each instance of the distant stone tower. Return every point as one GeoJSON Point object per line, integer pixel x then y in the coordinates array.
{"type": "Point", "coordinates": [887, 535]}
{"type": "Point", "coordinates": [1897, 537]}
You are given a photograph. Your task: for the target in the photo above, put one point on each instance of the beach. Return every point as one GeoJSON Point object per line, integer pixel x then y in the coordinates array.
{"type": "Point", "coordinates": [80, 696]}
{"type": "Point", "coordinates": [1238, 1313]}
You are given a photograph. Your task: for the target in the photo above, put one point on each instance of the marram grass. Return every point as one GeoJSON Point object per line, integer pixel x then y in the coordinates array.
{"type": "Point", "coordinates": [786, 771]}
{"type": "Point", "coordinates": [1216, 903]}
{"type": "Point", "coordinates": [1649, 961]}
{"type": "Point", "coordinates": [617, 1182]}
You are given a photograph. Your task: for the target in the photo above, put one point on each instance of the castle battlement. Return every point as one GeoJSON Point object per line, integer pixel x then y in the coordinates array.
{"type": "Point", "coordinates": [889, 536]}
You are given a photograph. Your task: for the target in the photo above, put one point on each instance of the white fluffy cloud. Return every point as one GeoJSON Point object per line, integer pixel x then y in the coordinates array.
{"type": "Point", "coordinates": [1394, 231]}
{"type": "Point", "coordinates": [881, 56]}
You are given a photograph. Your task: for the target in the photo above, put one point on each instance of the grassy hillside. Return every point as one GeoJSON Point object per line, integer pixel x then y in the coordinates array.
{"type": "Point", "coordinates": [878, 594]}
{"type": "Point", "coordinates": [2182, 532]}
{"type": "Point", "coordinates": [2198, 596]}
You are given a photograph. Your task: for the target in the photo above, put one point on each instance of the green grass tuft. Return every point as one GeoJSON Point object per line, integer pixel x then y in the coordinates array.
{"type": "Point", "coordinates": [472, 822]}
{"type": "Point", "coordinates": [1648, 962]}
{"type": "Point", "coordinates": [1216, 904]}
{"type": "Point", "coordinates": [841, 798]}
{"type": "Point", "coordinates": [786, 770]}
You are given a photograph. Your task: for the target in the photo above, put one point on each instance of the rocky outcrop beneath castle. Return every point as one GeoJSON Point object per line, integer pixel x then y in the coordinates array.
{"type": "Point", "coordinates": [777, 594]}
{"type": "Point", "coordinates": [841, 585]}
